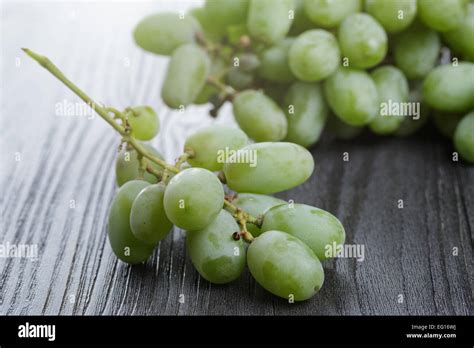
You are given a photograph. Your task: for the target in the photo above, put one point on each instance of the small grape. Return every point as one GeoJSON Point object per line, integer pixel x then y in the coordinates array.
{"type": "Point", "coordinates": [144, 122]}
{"type": "Point", "coordinates": [238, 79]}
{"type": "Point", "coordinates": [269, 20]}
{"type": "Point", "coordinates": [226, 13]}
{"type": "Point", "coordinates": [274, 62]}
{"type": "Point", "coordinates": [442, 15]}
{"type": "Point", "coordinates": [394, 15]}
{"type": "Point", "coordinates": [211, 30]}
{"type": "Point", "coordinates": [464, 137]}
{"type": "Point", "coordinates": [329, 14]}
{"type": "Point", "coordinates": [460, 39]}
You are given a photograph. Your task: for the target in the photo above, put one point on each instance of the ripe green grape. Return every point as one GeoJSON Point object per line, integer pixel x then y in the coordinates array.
{"type": "Point", "coordinates": [315, 227]}
{"type": "Point", "coordinates": [227, 13]}
{"type": "Point", "coordinates": [352, 95]}
{"type": "Point", "coordinates": [442, 15]}
{"type": "Point", "coordinates": [450, 87]}
{"type": "Point", "coordinates": [362, 40]}
{"type": "Point", "coordinates": [124, 244]}
{"type": "Point", "coordinates": [314, 55]}
{"type": "Point", "coordinates": [144, 122]}
{"type": "Point", "coordinates": [464, 138]}
{"type": "Point", "coordinates": [394, 15]}
{"type": "Point", "coordinates": [255, 205]}
{"type": "Point", "coordinates": [193, 198]}
{"type": "Point", "coordinates": [274, 62]}
{"type": "Point", "coordinates": [187, 72]}
{"type": "Point", "coordinates": [162, 33]}
{"type": "Point", "coordinates": [148, 220]}
{"type": "Point", "coordinates": [238, 79]}
{"type": "Point", "coordinates": [329, 14]}
{"type": "Point", "coordinates": [214, 252]}
{"type": "Point", "coordinates": [460, 39]}
{"type": "Point", "coordinates": [301, 21]}
{"type": "Point", "coordinates": [342, 130]}
{"type": "Point", "coordinates": [285, 266]}
{"type": "Point", "coordinates": [269, 167]}
{"type": "Point", "coordinates": [211, 145]}
{"type": "Point", "coordinates": [446, 123]}
{"type": "Point", "coordinates": [126, 166]}
{"type": "Point", "coordinates": [392, 89]}
{"type": "Point", "coordinates": [259, 117]}
{"type": "Point", "coordinates": [416, 50]}
{"type": "Point", "coordinates": [306, 113]}
{"type": "Point", "coordinates": [269, 20]}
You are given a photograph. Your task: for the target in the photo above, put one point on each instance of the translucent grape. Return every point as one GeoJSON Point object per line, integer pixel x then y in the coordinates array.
{"type": "Point", "coordinates": [211, 145]}
{"type": "Point", "coordinates": [269, 20]}
{"type": "Point", "coordinates": [144, 122]}
{"type": "Point", "coordinates": [214, 252]}
{"type": "Point", "coordinates": [464, 138]}
{"type": "Point", "coordinates": [393, 15]}
{"type": "Point", "coordinates": [329, 14]}
{"type": "Point", "coordinates": [315, 227]}
{"type": "Point", "coordinates": [314, 55]}
{"type": "Point", "coordinates": [124, 244]}
{"type": "Point", "coordinates": [193, 198]}
{"type": "Point", "coordinates": [442, 15]}
{"type": "Point", "coordinates": [269, 167]}
{"type": "Point", "coordinates": [460, 39]}
{"type": "Point", "coordinates": [259, 117]}
{"type": "Point", "coordinates": [274, 62]}
{"type": "Point", "coordinates": [285, 266]}
{"type": "Point", "coordinates": [148, 220]}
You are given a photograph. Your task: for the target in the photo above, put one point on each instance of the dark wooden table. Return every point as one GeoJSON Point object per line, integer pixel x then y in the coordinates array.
{"type": "Point", "coordinates": [57, 182]}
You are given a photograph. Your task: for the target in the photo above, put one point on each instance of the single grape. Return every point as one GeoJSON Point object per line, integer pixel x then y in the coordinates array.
{"type": "Point", "coordinates": [315, 227]}
{"type": "Point", "coordinates": [464, 138]}
{"type": "Point", "coordinates": [460, 39]}
{"type": "Point", "coordinates": [306, 113]}
{"type": "Point", "coordinates": [342, 130]}
{"type": "Point", "coordinates": [211, 146]}
{"type": "Point", "coordinates": [162, 33]}
{"type": "Point", "coordinates": [187, 72]}
{"type": "Point", "coordinates": [329, 14]}
{"type": "Point", "coordinates": [274, 62]}
{"type": "Point", "coordinates": [193, 198]}
{"type": "Point", "coordinates": [148, 220]}
{"type": "Point", "coordinates": [363, 41]}
{"type": "Point", "coordinates": [450, 88]}
{"type": "Point", "coordinates": [144, 122]}
{"type": "Point", "coordinates": [352, 95]}
{"type": "Point", "coordinates": [269, 167]}
{"type": "Point", "coordinates": [239, 79]}
{"type": "Point", "coordinates": [211, 30]}
{"type": "Point", "coordinates": [259, 117]}
{"type": "Point", "coordinates": [446, 123]}
{"type": "Point", "coordinates": [255, 205]}
{"type": "Point", "coordinates": [442, 15]}
{"type": "Point", "coordinates": [227, 13]}
{"type": "Point", "coordinates": [392, 89]}
{"type": "Point", "coordinates": [269, 20]}
{"type": "Point", "coordinates": [248, 62]}
{"type": "Point", "coordinates": [314, 55]}
{"type": "Point", "coordinates": [301, 21]}
{"type": "Point", "coordinates": [285, 266]}
{"type": "Point", "coordinates": [393, 15]}
{"type": "Point", "coordinates": [416, 50]}
{"type": "Point", "coordinates": [127, 165]}
{"type": "Point", "coordinates": [214, 252]}
{"type": "Point", "coordinates": [124, 244]}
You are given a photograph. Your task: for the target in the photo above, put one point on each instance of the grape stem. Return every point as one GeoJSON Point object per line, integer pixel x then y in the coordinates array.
{"type": "Point", "coordinates": [228, 91]}
{"type": "Point", "coordinates": [242, 218]}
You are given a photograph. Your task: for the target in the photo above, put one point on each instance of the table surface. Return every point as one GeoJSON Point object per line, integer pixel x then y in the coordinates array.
{"type": "Point", "coordinates": [57, 183]}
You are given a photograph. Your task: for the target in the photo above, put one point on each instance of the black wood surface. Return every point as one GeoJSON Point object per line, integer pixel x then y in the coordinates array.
{"type": "Point", "coordinates": [57, 182]}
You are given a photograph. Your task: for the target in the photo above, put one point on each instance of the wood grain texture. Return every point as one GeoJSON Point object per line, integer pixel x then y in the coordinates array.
{"type": "Point", "coordinates": [408, 251]}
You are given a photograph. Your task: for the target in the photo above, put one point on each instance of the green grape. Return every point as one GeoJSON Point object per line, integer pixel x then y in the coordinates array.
{"type": "Point", "coordinates": [193, 198]}
{"type": "Point", "coordinates": [416, 50]}
{"type": "Point", "coordinates": [450, 87]}
{"type": "Point", "coordinates": [211, 30]}
{"type": "Point", "coordinates": [460, 39]}
{"type": "Point", "coordinates": [352, 95]}
{"type": "Point", "coordinates": [238, 79]}
{"type": "Point", "coordinates": [330, 13]}
{"type": "Point", "coordinates": [214, 252]}
{"type": "Point", "coordinates": [464, 138]}
{"type": "Point", "coordinates": [285, 266]}
{"type": "Point", "coordinates": [393, 15]}
{"type": "Point", "coordinates": [314, 55]}
{"type": "Point", "coordinates": [211, 145]}
{"type": "Point", "coordinates": [162, 33]}
{"type": "Point", "coordinates": [446, 123]}
{"type": "Point", "coordinates": [442, 15]}
{"type": "Point", "coordinates": [255, 205]}
{"type": "Point", "coordinates": [362, 40]}
{"type": "Point", "coordinates": [124, 244]}
{"type": "Point", "coordinates": [411, 124]}
{"type": "Point", "coordinates": [227, 13]}
{"type": "Point", "coordinates": [274, 62]}
{"type": "Point", "coordinates": [144, 122]}
{"type": "Point", "coordinates": [187, 72]}
{"type": "Point", "coordinates": [392, 89]}
{"type": "Point", "coordinates": [259, 117]}
{"type": "Point", "coordinates": [269, 167]}
{"type": "Point", "coordinates": [127, 165]}
{"type": "Point", "coordinates": [269, 20]}
{"type": "Point", "coordinates": [148, 220]}
{"type": "Point", "coordinates": [248, 62]}
{"type": "Point", "coordinates": [342, 130]}
{"type": "Point", "coordinates": [301, 21]}
{"type": "Point", "coordinates": [306, 113]}
{"type": "Point", "coordinates": [317, 228]}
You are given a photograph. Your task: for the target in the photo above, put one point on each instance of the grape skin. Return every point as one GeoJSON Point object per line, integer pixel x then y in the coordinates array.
{"type": "Point", "coordinates": [464, 137]}
{"type": "Point", "coordinates": [460, 39]}
{"type": "Point", "coordinates": [268, 20]}
{"type": "Point", "coordinates": [144, 122]}
{"type": "Point", "coordinates": [274, 62]}
{"type": "Point", "coordinates": [388, 13]}
{"type": "Point", "coordinates": [329, 14]}
{"type": "Point", "coordinates": [442, 15]}
{"type": "Point", "coordinates": [126, 166]}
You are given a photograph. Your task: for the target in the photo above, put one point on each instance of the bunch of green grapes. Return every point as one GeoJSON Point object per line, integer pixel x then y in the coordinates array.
{"type": "Point", "coordinates": [291, 68]}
